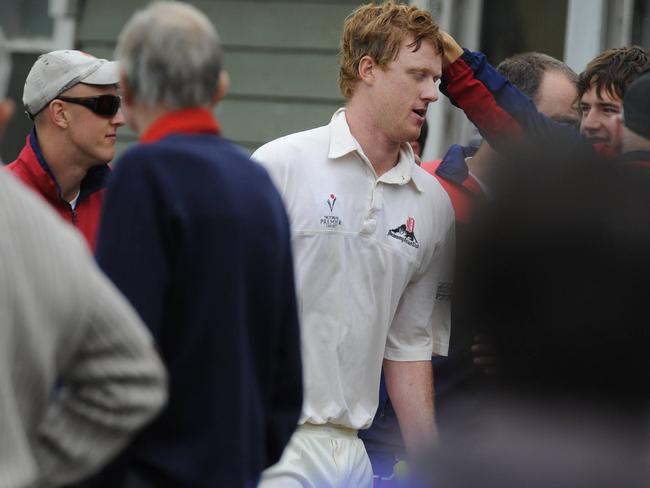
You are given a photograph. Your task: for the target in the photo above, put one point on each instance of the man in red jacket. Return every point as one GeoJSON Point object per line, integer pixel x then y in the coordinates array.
{"type": "Point", "coordinates": [72, 98]}
{"type": "Point", "coordinates": [551, 86]}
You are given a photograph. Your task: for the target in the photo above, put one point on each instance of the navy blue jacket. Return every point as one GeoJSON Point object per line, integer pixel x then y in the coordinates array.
{"type": "Point", "coordinates": [197, 238]}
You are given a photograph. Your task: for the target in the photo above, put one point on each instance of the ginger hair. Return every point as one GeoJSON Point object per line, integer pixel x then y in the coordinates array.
{"type": "Point", "coordinates": [378, 31]}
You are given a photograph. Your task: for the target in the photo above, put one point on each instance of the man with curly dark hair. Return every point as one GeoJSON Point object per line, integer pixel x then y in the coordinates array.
{"type": "Point", "coordinates": [601, 88]}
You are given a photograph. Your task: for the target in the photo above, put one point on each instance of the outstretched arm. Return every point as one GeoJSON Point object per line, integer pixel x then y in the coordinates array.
{"type": "Point", "coordinates": [502, 113]}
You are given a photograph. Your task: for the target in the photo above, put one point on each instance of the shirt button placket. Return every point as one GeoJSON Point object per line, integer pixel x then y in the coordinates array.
{"type": "Point", "coordinates": [376, 202]}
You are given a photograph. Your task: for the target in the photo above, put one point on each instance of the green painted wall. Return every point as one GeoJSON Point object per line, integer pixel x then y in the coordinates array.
{"type": "Point", "coordinates": [281, 57]}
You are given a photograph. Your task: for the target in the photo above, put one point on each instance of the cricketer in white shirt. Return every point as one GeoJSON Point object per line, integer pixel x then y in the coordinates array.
{"type": "Point", "coordinates": [373, 243]}
{"type": "Point", "coordinates": [373, 262]}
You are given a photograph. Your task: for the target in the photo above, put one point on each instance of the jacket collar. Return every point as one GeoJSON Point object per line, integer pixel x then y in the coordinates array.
{"type": "Point", "coordinates": [342, 142]}
{"type": "Point", "coordinates": [33, 158]}
{"type": "Point", "coordinates": [186, 121]}
{"type": "Point", "coordinates": [636, 156]}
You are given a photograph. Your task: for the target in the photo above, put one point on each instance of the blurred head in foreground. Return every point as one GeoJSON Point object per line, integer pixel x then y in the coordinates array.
{"type": "Point", "coordinates": [559, 274]}
{"type": "Point", "coordinates": [562, 276]}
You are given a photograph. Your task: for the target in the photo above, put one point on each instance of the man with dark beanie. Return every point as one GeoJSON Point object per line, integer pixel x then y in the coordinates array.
{"type": "Point", "coordinates": [636, 121]}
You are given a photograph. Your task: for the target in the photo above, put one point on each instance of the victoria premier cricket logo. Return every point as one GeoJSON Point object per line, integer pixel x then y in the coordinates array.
{"type": "Point", "coordinates": [406, 233]}
{"type": "Point", "coordinates": [330, 221]}
{"type": "Point", "coordinates": [331, 201]}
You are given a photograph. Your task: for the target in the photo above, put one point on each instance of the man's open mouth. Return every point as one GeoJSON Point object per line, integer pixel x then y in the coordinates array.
{"type": "Point", "coordinates": [420, 111]}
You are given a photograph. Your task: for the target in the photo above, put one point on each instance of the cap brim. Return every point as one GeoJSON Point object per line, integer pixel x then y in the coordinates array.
{"type": "Point", "coordinates": [107, 74]}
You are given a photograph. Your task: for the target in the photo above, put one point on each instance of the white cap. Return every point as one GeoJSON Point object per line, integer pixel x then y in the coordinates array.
{"type": "Point", "coordinates": [55, 72]}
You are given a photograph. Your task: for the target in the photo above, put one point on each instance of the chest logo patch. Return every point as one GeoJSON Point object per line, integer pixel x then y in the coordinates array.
{"type": "Point", "coordinates": [331, 201]}
{"type": "Point", "coordinates": [406, 233]}
{"type": "Point", "coordinates": [330, 221]}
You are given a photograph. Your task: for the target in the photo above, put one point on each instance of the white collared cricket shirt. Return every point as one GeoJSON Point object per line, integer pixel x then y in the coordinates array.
{"type": "Point", "coordinates": [372, 261]}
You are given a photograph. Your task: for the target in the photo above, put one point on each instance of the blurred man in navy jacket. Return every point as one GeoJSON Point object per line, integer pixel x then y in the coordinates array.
{"type": "Point", "coordinates": [196, 236]}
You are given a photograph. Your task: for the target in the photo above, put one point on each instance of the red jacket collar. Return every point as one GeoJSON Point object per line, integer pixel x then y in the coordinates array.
{"type": "Point", "coordinates": [187, 121]}
{"type": "Point", "coordinates": [31, 167]}
{"type": "Point", "coordinates": [31, 163]}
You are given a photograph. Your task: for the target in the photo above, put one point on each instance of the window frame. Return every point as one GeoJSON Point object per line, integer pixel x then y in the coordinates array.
{"type": "Point", "coordinates": [63, 15]}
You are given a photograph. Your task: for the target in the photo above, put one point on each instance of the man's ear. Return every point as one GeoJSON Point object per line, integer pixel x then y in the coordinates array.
{"type": "Point", "coordinates": [7, 109]}
{"type": "Point", "coordinates": [223, 85]}
{"type": "Point", "coordinates": [367, 70]}
{"type": "Point", "coordinates": [55, 111]}
{"type": "Point", "coordinates": [125, 90]}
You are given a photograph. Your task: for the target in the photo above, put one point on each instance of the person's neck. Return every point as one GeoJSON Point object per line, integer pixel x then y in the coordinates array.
{"type": "Point", "coordinates": [382, 153]}
{"type": "Point", "coordinates": [481, 164]}
{"type": "Point", "coordinates": [143, 117]}
{"type": "Point", "coordinates": [68, 168]}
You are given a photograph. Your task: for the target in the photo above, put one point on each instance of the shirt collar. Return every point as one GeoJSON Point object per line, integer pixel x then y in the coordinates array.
{"type": "Point", "coordinates": [342, 143]}
{"type": "Point", "coordinates": [36, 147]}
{"type": "Point", "coordinates": [341, 140]}
{"type": "Point", "coordinates": [186, 121]}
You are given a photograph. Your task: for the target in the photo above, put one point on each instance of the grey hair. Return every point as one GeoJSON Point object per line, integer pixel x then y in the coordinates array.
{"type": "Point", "coordinates": [170, 54]}
{"type": "Point", "coordinates": [5, 67]}
{"type": "Point", "coordinates": [525, 71]}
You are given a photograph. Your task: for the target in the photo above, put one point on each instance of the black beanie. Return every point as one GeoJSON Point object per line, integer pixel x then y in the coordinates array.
{"type": "Point", "coordinates": [636, 106]}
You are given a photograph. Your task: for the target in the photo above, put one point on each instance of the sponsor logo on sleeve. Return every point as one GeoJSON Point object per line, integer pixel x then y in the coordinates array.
{"type": "Point", "coordinates": [443, 293]}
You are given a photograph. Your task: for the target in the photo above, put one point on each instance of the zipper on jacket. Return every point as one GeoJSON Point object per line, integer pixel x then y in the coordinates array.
{"type": "Point", "coordinates": [74, 216]}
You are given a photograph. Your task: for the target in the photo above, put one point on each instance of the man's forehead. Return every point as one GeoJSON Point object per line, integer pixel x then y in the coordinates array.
{"type": "Point", "coordinates": [409, 42]}
{"type": "Point", "coordinates": [424, 52]}
{"type": "Point", "coordinates": [85, 88]}
{"type": "Point", "coordinates": [601, 94]}
{"type": "Point", "coordinates": [557, 97]}
{"type": "Point", "coordinates": [555, 84]}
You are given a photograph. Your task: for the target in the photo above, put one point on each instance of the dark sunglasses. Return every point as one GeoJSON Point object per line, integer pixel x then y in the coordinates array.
{"type": "Point", "coordinates": [104, 105]}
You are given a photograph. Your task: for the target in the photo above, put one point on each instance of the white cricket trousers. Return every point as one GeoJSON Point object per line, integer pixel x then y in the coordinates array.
{"type": "Point", "coordinates": [321, 456]}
